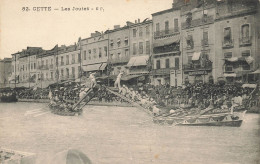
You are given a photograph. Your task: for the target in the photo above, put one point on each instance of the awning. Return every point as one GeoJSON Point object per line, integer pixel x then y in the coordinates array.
{"type": "Point", "coordinates": [256, 72]}
{"type": "Point", "coordinates": [129, 77]}
{"type": "Point", "coordinates": [233, 59]}
{"type": "Point", "coordinates": [249, 86]}
{"type": "Point", "coordinates": [138, 61]}
{"type": "Point", "coordinates": [166, 42]}
{"type": "Point", "coordinates": [92, 67]}
{"type": "Point", "coordinates": [230, 75]}
{"type": "Point", "coordinates": [196, 56]}
{"type": "Point", "coordinates": [103, 66]}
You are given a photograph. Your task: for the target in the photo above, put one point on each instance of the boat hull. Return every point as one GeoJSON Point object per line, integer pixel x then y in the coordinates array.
{"type": "Point", "coordinates": [235, 123]}
{"type": "Point", "coordinates": [225, 119]}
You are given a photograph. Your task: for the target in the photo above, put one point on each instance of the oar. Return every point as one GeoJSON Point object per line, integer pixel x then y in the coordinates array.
{"type": "Point", "coordinates": [196, 116]}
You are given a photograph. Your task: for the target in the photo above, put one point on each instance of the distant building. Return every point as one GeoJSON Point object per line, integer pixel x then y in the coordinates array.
{"type": "Point", "coordinates": [27, 66]}
{"type": "Point", "coordinates": [198, 41]}
{"type": "Point", "coordinates": [166, 48]}
{"type": "Point", "coordinates": [119, 48]}
{"type": "Point", "coordinates": [237, 39]}
{"type": "Point", "coordinates": [5, 71]}
{"type": "Point", "coordinates": [94, 53]}
{"type": "Point", "coordinates": [140, 42]}
{"type": "Point", "coordinates": [15, 69]}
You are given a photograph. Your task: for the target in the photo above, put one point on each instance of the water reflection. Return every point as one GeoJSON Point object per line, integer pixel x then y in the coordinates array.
{"type": "Point", "coordinates": [124, 135]}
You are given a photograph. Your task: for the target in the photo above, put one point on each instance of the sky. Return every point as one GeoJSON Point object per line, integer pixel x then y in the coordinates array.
{"type": "Point", "coordinates": [19, 29]}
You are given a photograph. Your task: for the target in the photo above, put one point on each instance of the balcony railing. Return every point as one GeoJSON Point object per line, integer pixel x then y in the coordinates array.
{"type": "Point", "coordinates": [43, 67]}
{"type": "Point", "coordinates": [228, 43]}
{"type": "Point", "coordinates": [138, 71]}
{"type": "Point", "coordinates": [204, 42]}
{"type": "Point", "coordinates": [119, 60]}
{"type": "Point", "coordinates": [193, 67]}
{"type": "Point", "coordinates": [198, 22]}
{"type": "Point", "coordinates": [161, 71]}
{"type": "Point", "coordinates": [165, 33]}
{"type": "Point", "coordinates": [168, 48]}
{"type": "Point", "coordinates": [245, 41]}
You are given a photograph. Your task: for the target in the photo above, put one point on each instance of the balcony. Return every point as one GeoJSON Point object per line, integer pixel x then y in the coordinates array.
{"type": "Point", "coordinates": [166, 33]}
{"type": "Point", "coordinates": [198, 22]}
{"type": "Point", "coordinates": [245, 41]}
{"type": "Point", "coordinates": [138, 71]}
{"type": "Point", "coordinates": [228, 44]}
{"type": "Point", "coordinates": [43, 67]}
{"type": "Point", "coordinates": [197, 67]}
{"type": "Point", "coordinates": [205, 42]}
{"type": "Point", "coordinates": [119, 60]}
{"type": "Point", "coordinates": [174, 47]}
{"type": "Point", "coordinates": [161, 71]}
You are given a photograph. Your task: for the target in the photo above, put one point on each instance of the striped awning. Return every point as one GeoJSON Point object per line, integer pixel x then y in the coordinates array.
{"type": "Point", "coordinates": [138, 61]}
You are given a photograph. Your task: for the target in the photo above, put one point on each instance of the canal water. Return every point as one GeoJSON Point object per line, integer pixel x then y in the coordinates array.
{"type": "Point", "coordinates": [125, 135]}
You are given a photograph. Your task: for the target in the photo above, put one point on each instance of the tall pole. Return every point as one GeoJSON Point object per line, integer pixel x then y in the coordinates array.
{"type": "Point", "coordinates": [41, 71]}
{"type": "Point", "coordinates": [80, 60]}
{"type": "Point", "coordinates": [29, 70]}
{"type": "Point", "coordinates": [4, 72]}
{"type": "Point", "coordinates": [203, 42]}
{"type": "Point", "coordinates": [57, 63]}
{"type": "Point", "coordinates": [15, 71]}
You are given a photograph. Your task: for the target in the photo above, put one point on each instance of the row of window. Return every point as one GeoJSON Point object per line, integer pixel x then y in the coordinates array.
{"type": "Point", "coordinates": [141, 48]}
{"type": "Point", "coordinates": [92, 54]}
{"type": "Point", "coordinates": [118, 42]}
{"type": "Point", "coordinates": [119, 55]}
{"type": "Point", "coordinates": [140, 31]}
{"type": "Point", "coordinates": [243, 54]}
{"type": "Point", "coordinates": [245, 34]}
{"type": "Point", "coordinates": [26, 67]}
{"type": "Point", "coordinates": [166, 26]}
{"type": "Point", "coordinates": [167, 63]}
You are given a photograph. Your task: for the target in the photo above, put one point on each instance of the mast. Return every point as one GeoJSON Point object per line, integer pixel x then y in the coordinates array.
{"type": "Point", "coordinates": [15, 71]}
{"type": "Point", "coordinates": [29, 70]}
{"type": "Point", "coordinates": [41, 70]}
{"type": "Point", "coordinates": [57, 63]}
{"type": "Point", "coordinates": [80, 64]}
{"type": "Point", "coordinates": [203, 45]}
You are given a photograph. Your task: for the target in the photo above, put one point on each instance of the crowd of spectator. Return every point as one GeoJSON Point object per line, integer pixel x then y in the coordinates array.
{"type": "Point", "coordinates": [199, 95]}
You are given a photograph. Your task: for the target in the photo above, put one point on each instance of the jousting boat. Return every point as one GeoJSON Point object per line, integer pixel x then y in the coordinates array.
{"type": "Point", "coordinates": [219, 119]}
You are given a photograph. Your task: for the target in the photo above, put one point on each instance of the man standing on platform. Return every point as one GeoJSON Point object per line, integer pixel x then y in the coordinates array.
{"type": "Point", "coordinates": [118, 79]}
{"type": "Point", "coordinates": [93, 81]}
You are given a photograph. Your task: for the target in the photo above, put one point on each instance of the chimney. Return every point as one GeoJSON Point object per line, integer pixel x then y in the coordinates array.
{"type": "Point", "coordinates": [116, 26]}
{"type": "Point", "coordinates": [135, 21]}
{"type": "Point", "coordinates": [138, 20]}
{"type": "Point", "coordinates": [128, 23]}
{"type": "Point", "coordinates": [92, 34]}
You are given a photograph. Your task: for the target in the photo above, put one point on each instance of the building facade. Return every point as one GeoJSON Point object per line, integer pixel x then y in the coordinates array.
{"type": "Point", "coordinates": [140, 42]}
{"type": "Point", "coordinates": [28, 66]}
{"type": "Point", "coordinates": [198, 41]}
{"type": "Point", "coordinates": [166, 48]}
{"type": "Point", "coordinates": [14, 78]}
{"type": "Point", "coordinates": [119, 47]}
{"type": "Point", "coordinates": [237, 39]}
{"type": "Point", "coordinates": [94, 53]}
{"type": "Point", "coordinates": [5, 71]}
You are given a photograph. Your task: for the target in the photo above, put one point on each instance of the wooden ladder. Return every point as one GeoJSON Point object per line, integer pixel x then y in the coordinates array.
{"type": "Point", "coordinates": [128, 100]}
{"type": "Point", "coordinates": [84, 100]}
